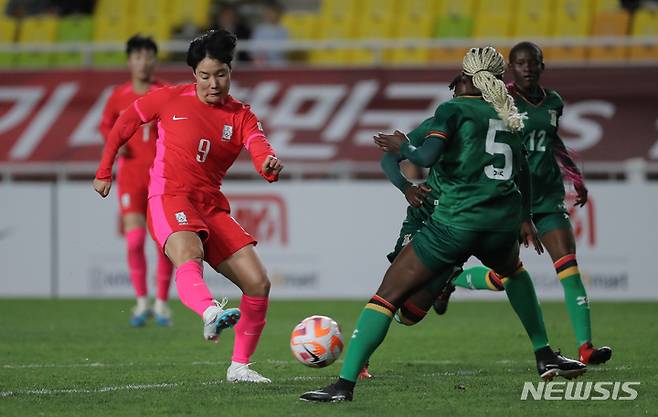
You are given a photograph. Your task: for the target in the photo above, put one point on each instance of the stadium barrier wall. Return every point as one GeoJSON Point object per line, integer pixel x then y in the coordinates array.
{"type": "Point", "coordinates": [324, 119]}
{"type": "Point", "coordinates": [318, 239]}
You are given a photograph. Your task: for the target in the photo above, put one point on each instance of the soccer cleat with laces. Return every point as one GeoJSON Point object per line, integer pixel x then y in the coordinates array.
{"type": "Point", "coordinates": [240, 372]}
{"type": "Point", "coordinates": [551, 364]}
{"type": "Point", "coordinates": [594, 356]}
{"type": "Point", "coordinates": [329, 394]}
{"type": "Point", "coordinates": [216, 319]}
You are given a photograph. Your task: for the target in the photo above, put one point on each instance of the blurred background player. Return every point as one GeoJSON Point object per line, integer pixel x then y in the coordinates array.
{"type": "Point", "coordinates": [546, 155]}
{"type": "Point", "coordinates": [203, 130]}
{"type": "Point", "coordinates": [480, 213]}
{"type": "Point", "coordinates": [135, 159]}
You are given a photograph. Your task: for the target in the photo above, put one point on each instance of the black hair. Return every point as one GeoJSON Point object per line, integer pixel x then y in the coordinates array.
{"type": "Point", "coordinates": [455, 81]}
{"type": "Point", "coordinates": [139, 42]}
{"type": "Point", "coordinates": [526, 46]}
{"type": "Point", "coordinates": [216, 44]}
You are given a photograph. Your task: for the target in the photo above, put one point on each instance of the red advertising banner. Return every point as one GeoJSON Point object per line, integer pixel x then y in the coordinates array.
{"type": "Point", "coordinates": [327, 115]}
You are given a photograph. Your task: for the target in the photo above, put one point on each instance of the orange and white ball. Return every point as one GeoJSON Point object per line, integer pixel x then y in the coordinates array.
{"type": "Point", "coordinates": [316, 341]}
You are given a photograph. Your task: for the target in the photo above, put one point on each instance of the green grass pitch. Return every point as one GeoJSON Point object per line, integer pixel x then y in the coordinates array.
{"type": "Point", "coordinates": [80, 358]}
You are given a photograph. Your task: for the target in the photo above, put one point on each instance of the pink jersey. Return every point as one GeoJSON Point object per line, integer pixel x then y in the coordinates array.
{"type": "Point", "coordinates": [196, 145]}
{"type": "Point", "coordinates": [140, 149]}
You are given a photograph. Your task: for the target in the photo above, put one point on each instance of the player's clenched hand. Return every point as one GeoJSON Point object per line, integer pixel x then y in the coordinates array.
{"type": "Point", "coordinates": [390, 143]}
{"type": "Point", "coordinates": [415, 194]}
{"type": "Point", "coordinates": [102, 187]}
{"type": "Point", "coordinates": [529, 235]}
{"type": "Point", "coordinates": [272, 165]}
{"type": "Point", "coordinates": [581, 192]}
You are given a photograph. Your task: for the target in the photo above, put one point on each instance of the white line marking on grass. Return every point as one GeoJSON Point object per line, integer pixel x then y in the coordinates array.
{"type": "Point", "coordinates": [129, 387]}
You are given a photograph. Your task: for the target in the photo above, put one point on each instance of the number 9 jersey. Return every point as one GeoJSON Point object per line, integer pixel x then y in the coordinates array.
{"type": "Point", "coordinates": [477, 169]}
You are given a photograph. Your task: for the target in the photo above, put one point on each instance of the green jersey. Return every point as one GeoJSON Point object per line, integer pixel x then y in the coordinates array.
{"type": "Point", "coordinates": [417, 138]}
{"type": "Point", "coordinates": [477, 168]}
{"type": "Point", "coordinates": [541, 138]}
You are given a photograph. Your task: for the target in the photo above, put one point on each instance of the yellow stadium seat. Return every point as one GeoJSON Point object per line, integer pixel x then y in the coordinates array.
{"type": "Point", "coordinates": [37, 29]}
{"type": "Point", "coordinates": [301, 26]}
{"type": "Point", "coordinates": [196, 12]}
{"type": "Point", "coordinates": [113, 28]}
{"type": "Point", "coordinates": [612, 23]}
{"type": "Point", "coordinates": [337, 21]}
{"type": "Point", "coordinates": [494, 19]}
{"type": "Point", "coordinates": [573, 18]}
{"type": "Point", "coordinates": [459, 7]}
{"type": "Point", "coordinates": [377, 21]}
{"type": "Point", "coordinates": [645, 23]}
{"type": "Point", "coordinates": [8, 28]}
{"type": "Point", "coordinates": [605, 6]}
{"type": "Point", "coordinates": [415, 20]}
{"type": "Point", "coordinates": [534, 19]}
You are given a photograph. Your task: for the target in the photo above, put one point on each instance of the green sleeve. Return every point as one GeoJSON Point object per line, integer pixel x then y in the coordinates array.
{"type": "Point", "coordinates": [390, 163]}
{"type": "Point", "coordinates": [425, 155]}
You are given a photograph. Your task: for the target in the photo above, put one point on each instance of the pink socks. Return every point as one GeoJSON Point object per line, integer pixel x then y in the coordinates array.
{"type": "Point", "coordinates": [249, 328]}
{"type": "Point", "coordinates": [137, 259]}
{"type": "Point", "coordinates": [191, 287]}
{"type": "Point", "coordinates": [164, 271]}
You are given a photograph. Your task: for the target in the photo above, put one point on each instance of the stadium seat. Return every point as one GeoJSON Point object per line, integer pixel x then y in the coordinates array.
{"type": "Point", "coordinates": [153, 18]}
{"type": "Point", "coordinates": [494, 19]}
{"type": "Point", "coordinates": [534, 19]}
{"type": "Point", "coordinates": [455, 21]}
{"type": "Point", "coordinates": [195, 12]}
{"type": "Point", "coordinates": [573, 18]}
{"type": "Point", "coordinates": [609, 23]}
{"type": "Point", "coordinates": [113, 23]}
{"type": "Point", "coordinates": [338, 19]}
{"type": "Point", "coordinates": [8, 28]}
{"type": "Point", "coordinates": [377, 21]}
{"type": "Point", "coordinates": [645, 23]}
{"type": "Point", "coordinates": [77, 28]}
{"type": "Point", "coordinates": [36, 29]}
{"type": "Point", "coordinates": [301, 26]}
{"type": "Point", "coordinates": [415, 20]}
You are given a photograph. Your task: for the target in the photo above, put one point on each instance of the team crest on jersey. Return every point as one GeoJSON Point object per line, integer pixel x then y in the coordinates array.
{"type": "Point", "coordinates": [553, 114]}
{"type": "Point", "coordinates": [181, 218]}
{"type": "Point", "coordinates": [227, 133]}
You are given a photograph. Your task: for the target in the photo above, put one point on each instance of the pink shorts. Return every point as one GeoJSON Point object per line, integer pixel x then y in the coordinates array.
{"type": "Point", "coordinates": [221, 235]}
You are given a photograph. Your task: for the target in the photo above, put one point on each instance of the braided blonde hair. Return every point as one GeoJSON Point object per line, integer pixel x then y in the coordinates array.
{"type": "Point", "coordinates": [484, 65]}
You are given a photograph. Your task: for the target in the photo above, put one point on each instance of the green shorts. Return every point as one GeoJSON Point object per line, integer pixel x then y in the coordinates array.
{"type": "Point", "coordinates": [410, 226]}
{"type": "Point", "coordinates": [440, 246]}
{"type": "Point", "coordinates": [547, 222]}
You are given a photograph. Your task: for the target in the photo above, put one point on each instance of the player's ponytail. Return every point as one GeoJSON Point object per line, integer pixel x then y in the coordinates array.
{"type": "Point", "coordinates": [485, 66]}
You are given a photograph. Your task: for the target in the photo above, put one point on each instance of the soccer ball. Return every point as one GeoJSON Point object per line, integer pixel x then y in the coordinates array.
{"type": "Point", "coordinates": [316, 341]}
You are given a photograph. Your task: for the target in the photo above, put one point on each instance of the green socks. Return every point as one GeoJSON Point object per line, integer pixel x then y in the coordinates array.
{"type": "Point", "coordinates": [478, 278]}
{"type": "Point", "coordinates": [371, 328]}
{"type": "Point", "coordinates": [521, 294]}
{"type": "Point", "coordinates": [575, 298]}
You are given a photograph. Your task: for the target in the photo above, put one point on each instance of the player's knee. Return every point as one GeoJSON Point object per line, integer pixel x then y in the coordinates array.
{"type": "Point", "coordinates": [258, 288]}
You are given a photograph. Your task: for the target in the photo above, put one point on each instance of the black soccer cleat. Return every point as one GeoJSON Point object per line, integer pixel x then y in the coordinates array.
{"type": "Point", "coordinates": [329, 394]}
{"type": "Point", "coordinates": [441, 303]}
{"type": "Point", "coordinates": [591, 355]}
{"type": "Point", "coordinates": [551, 364]}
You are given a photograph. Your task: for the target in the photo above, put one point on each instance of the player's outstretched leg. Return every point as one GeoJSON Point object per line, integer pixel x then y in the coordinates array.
{"type": "Point", "coordinates": [137, 269]}
{"type": "Point", "coordinates": [475, 278]}
{"type": "Point", "coordinates": [405, 274]}
{"type": "Point", "coordinates": [245, 269]}
{"type": "Point", "coordinates": [163, 282]}
{"type": "Point", "coordinates": [185, 250]}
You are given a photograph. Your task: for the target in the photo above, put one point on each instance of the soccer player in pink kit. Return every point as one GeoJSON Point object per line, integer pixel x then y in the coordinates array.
{"type": "Point", "coordinates": [134, 161]}
{"type": "Point", "coordinates": [201, 131]}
